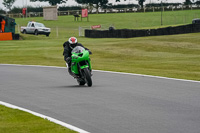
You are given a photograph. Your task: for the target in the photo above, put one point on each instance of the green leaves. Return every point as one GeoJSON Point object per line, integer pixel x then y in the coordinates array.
{"type": "Point", "coordinates": [8, 3]}
{"type": "Point", "coordinates": [51, 2]}
{"type": "Point", "coordinates": [98, 3]}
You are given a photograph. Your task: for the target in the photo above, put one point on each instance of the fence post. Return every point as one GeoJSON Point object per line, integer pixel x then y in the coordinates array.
{"type": "Point", "coordinates": [18, 29]}
{"type": "Point", "coordinates": [185, 18]}
{"type": "Point", "coordinates": [174, 19]}
{"type": "Point", "coordinates": [57, 31]}
{"type": "Point", "coordinates": [79, 31]}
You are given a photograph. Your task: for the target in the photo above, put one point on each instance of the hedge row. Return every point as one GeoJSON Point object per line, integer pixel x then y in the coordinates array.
{"type": "Point", "coordinates": [128, 33]}
{"type": "Point", "coordinates": [39, 9]}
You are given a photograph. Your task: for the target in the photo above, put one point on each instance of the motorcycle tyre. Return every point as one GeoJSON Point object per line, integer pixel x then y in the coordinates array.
{"type": "Point", "coordinates": [87, 77]}
{"type": "Point", "coordinates": [80, 82]}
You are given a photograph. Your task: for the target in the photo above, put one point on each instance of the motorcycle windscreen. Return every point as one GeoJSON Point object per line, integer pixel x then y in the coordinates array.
{"type": "Point", "coordinates": [78, 49]}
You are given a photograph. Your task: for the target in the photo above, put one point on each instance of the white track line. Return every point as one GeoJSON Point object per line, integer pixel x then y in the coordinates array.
{"type": "Point", "coordinates": [150, 76]}
{"type": "Point", "coordinates": [45, 117]}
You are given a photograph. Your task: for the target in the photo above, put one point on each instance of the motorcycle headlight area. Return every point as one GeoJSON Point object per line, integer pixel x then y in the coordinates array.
{"type": "Point", "coordinates": [75, 57]}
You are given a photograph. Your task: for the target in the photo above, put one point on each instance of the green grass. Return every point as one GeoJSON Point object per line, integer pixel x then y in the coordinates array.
{"type": "Point", "coordinates": [68, 27]}
{"type": "Point", "coordinates": [176, 56]}
{"type": "Point", "coordinates": [16, 121]}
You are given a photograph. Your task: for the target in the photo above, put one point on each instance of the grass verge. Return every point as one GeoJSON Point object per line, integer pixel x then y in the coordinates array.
{"type": "Point", "coordinates": [175, 56]}
{"type": "Point", "coordinates": [16, 121]}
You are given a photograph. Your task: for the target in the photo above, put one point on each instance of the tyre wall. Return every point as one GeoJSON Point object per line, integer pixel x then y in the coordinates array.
{"type": "Point", "coordinates": [129, 33]}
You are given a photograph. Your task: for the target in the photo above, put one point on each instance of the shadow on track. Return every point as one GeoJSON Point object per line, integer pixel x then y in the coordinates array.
{"type": "Point", "coordinates": [73, 86]}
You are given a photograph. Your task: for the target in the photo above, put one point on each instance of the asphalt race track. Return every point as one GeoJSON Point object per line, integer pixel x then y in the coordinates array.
{"type": "Point", "coordinates": [116, 103]}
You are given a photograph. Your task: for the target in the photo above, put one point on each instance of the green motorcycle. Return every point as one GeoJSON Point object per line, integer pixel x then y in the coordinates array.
{"type": "Point", "coordinates": [81, 66]}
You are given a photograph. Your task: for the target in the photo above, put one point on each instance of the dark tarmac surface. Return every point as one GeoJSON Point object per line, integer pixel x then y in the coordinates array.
{"type": "Point", "coordinates": [116, 103]}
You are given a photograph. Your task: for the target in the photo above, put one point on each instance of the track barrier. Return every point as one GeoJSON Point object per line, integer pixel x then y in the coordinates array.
{"type": "Point", "coordinates": [6, 36]}
{"type": "Point", "coordinates": [130, 33]}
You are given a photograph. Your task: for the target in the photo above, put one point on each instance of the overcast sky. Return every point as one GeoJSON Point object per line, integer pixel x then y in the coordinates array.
{"type": "Point", "coordinates": [23, 3]}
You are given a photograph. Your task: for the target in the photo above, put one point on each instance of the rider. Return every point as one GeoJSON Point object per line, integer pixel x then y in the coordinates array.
{"type": "Point", "coordinates": [68, 47]}
{"type": "Point", "coordinates": [3, 22]}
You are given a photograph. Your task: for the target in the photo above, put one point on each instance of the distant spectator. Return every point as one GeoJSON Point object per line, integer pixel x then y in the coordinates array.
{"type": "Point", "coordinates": [111, 28]}
{"type": "Point", "coordinates": [3, 23]}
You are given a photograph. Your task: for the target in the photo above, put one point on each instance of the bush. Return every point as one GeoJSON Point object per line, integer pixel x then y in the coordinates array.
{"type": "Point", "coordinates": [30, 9]}
{"type": "Point", "coordinates": [120, 6]}
{"type": "Point", "coordinates": [16, 10]}
{"type": "Point", "coordinates": [2, 11]}
{"type": "Point", "coordinates": [66, 8]}
{"type": "Point", "coordinates": [163, 4]}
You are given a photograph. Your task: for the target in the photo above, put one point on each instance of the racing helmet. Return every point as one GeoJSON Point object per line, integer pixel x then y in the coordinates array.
{"type": "Point", "coordinates": [72, 40]}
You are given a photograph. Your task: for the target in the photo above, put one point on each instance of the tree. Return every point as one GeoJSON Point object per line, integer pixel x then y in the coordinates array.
{"type": "Point", "coordinates": [8, 3]}
{"type": "Point", "coordinates": [2, 11]}
{"type": "Point", "coordinates": [141, 3]}
{"type": "Point", "coordinates": [197, 2]}
{"type": "Point", "coordinates": [51, 2]}
{"type": "Point", "coordinates": [98, 3]}
{"type": "Point", "coordinates": [187, 3]}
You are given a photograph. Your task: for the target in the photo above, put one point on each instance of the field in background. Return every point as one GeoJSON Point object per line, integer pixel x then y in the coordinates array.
{"type": "Point", "coordinates": [176, 56]}
{"type": "Point", "coordinates": [66, 26]}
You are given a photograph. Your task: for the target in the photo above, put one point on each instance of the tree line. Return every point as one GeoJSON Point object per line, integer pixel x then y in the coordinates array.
{"type": "Point", "coordinates": [90, 4]}
{"type": "Point", "coordinates": [39, 9]}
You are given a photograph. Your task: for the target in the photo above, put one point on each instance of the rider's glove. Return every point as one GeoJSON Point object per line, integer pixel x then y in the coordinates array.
{"type": "Point", "coordinates": [68, 60]}
{"type": "Point", "coordinates": [89, 52]}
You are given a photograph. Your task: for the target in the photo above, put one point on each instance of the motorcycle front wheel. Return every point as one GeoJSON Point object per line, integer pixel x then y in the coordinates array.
{"type": "Point", "coordinates": [81, 82]}
{"type": "Point", "coordinates": [87, 77]}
